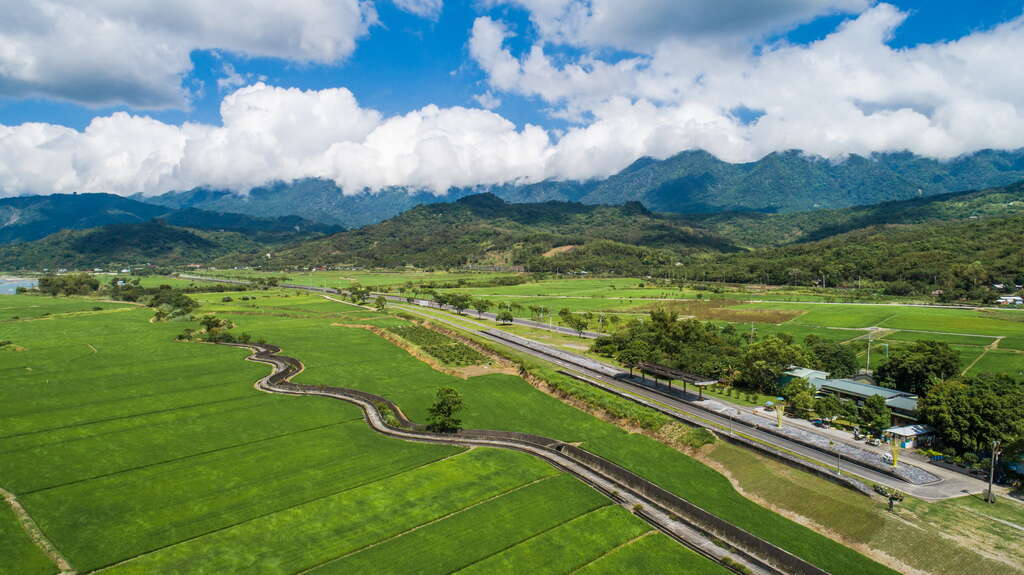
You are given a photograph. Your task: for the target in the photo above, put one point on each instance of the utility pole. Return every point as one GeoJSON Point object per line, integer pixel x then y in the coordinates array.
{"type": "Point", "coordinates": [992, 470]}
{"type": "Point", "coordinates": [867, 368]}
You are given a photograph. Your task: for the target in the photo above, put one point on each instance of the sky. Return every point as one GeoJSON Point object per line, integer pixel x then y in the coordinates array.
{"type": "Point", "coordinates": [147, 96]}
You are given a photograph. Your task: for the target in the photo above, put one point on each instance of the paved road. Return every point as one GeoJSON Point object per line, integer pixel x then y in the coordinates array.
{"type": "Point", "coordinates": [950, 485]}
{"type": "Point", "coordinates": [494, 317]}
{"type": "Point", "coordinates": [415, 301]}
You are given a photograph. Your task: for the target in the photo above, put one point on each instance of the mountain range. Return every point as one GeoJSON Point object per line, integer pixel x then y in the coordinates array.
{"type": "Point", "coordinates": [689, 182]}
{"type": "Point", "coordinates": [30, 218]}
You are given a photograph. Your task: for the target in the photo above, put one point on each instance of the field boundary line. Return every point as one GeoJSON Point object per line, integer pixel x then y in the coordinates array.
{"type": "Point", "coordinates": [129, 416]}
{"type": "Point", "coordinates": [438, 519]}
{"type": "Point", "coordinates": [536, 535]}
{"type": "Point", "coordinates": [614, 550]}
{"type": "Point", "coordinates": [983, 353]}
{"type": "Point", "coordinates": [281, 510]}
{"type": "Point", "coordinates": [36, 534]}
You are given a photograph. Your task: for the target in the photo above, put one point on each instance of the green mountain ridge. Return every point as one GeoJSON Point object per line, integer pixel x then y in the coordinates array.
{"type": "Point", "coordinates": [689, 182]}
{"type": "Point", "coordinates": [29, 218]}
{"type": "Point", "coordinates": [964, 255]}
{"type": "Point", "coordinates": [755, 229]}
{"type": "Point", "coordinates": [484, 229]}
{"type": "Point", "coordinates": [118, 245]}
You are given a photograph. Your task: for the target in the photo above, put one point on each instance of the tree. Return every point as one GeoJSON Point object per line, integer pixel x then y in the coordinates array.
{"type": "Point", "coordinates": [835, 358]}
{"type": "Point", "coordinates": [765, 360]}
{"type": "Point", "coordinates": [380, 303]}
{"type": "Point", "coordinates": [827, 407]}
{"type": "Point", "coordinates": [636, 352]}
{"type": "Point", "coordinates": [460, 302]}
{"type": "Point", "coordinates": [918, 367]}
{"type": "Point", "coordinates": [577, 324]}
{"type": "Point", "coordinates": [443, 414]}
{"type": "Point", "coordinates": [875, 415]}
{"type": "Point", "coordinates": [802, 404]}
{"type": "Point", "coordinates": [506, 318]}
{"type": "Point", "coordinates": [972, 412]}
{"type": "Point", "coordinates": [798, 386]}
{"type": "Point", "coordinates": [481, 306]}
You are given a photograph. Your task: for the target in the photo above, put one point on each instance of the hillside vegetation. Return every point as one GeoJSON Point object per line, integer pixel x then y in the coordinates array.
{"type": "Point", "coordinates": [124, 244]}
{"type": "Point", "coordinates": [29, 218]}
{"type": "Point", "coordinates": [484, 229]}
{"type": "Point", "coordinates": [755, 229]}
{"type": "Point", "coordinates": [959, 257]}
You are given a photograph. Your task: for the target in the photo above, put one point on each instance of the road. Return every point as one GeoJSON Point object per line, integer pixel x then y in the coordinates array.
{"type": "Point", "coordinates": [951, 484]}
{"type": "Point", "coordinates": [415, 301]}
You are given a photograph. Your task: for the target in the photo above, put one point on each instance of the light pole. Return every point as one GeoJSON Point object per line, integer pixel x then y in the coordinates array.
{"type": "Point", "coordinates": [992, 470]}
{"type": "Point", "coordinates": [867, 367]}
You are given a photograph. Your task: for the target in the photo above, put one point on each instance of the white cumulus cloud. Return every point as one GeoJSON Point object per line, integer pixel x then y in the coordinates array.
{"type": "Point", "coordinates": [847, 93]}
{"type": "Point", "coordinates": [430, 9]}
{"type": "Point", "coordinates": [107, 52]}
{"type": "Point", "coordinates": [270, 134]}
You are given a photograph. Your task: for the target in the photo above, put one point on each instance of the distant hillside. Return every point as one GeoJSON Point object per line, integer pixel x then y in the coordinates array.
{"type": "Point", "coordinates": [791, 181]}
{"type": "Point", "coordinates": [689, 182]}
{"type": "Point", "coordinates": [32, 217]}
{"type": "Point", "coordinates": [484, 229]}
{"type": "Point", "coordinates": [754, 229]}
{"type": "Point", "coordinates": [29, 218]}
{"type": "Point", "coordinates": [315, 200]}
{"type": "Point", "coordinates": [120, 245]}
{"type": "Point", "coordinates": [924, 254]}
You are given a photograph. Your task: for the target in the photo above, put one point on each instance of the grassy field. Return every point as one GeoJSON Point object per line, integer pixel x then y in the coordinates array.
{"type": "Point", "coordinates": [138, 454]}
{"type": "Point", "coordinates": [949, 537]}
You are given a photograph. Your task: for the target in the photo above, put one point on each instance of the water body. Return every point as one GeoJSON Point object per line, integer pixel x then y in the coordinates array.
{"type": "Point", "coordinates": [9, 286]}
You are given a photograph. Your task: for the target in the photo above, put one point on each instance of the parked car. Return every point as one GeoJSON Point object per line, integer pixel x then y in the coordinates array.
{"type": "Point", "coordinates": [874, 441]}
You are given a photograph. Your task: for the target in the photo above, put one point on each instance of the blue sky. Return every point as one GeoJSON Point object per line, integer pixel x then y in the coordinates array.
{"type": "Point", "coordinates": [148, 96]}
{"type": "Point", "coordinates": [408, 61]}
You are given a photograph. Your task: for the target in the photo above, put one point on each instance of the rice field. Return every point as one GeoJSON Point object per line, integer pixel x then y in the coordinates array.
{"type": "Point", "coordinates": [138, 454]}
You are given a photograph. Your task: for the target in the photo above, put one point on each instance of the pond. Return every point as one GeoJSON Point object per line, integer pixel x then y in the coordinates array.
{"type": "Point", "coordinates": [9, 286]}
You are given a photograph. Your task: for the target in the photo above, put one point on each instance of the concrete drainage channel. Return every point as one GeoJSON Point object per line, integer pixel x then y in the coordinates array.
{"type": "Point", "coordinates": [705, 533]}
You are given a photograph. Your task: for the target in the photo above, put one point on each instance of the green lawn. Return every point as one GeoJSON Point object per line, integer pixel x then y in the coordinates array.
{"type": "Point", "coordinates": [916, 535]}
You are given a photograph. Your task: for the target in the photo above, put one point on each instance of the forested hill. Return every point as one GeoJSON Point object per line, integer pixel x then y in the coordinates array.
{"type": "Point", "coordinates": [119, 245]}
{"type": "Point", "coordinates": [483, 229]}
{"type": "Point", "coordinates": [28, 218]}
{"type": "Point", "coordinates": [689, 182]}
{"type": "Point", "coordinates": [959, 257]}
{"type": "Point", "coordinates": [754, 230]}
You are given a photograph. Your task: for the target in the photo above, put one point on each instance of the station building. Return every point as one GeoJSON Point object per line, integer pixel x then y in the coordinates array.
{"type": "Point", "coordinates": [902, 404]}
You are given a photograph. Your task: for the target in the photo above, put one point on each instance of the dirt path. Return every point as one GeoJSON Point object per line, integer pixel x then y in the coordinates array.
{"type": "Point", "coordinates": [988, 348]}
{"type": "Point", "coordinates": [36, 535]}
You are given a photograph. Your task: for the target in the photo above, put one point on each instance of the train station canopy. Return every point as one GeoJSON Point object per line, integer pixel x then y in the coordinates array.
{"type": "Point", "coordinates": [669, 373]}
